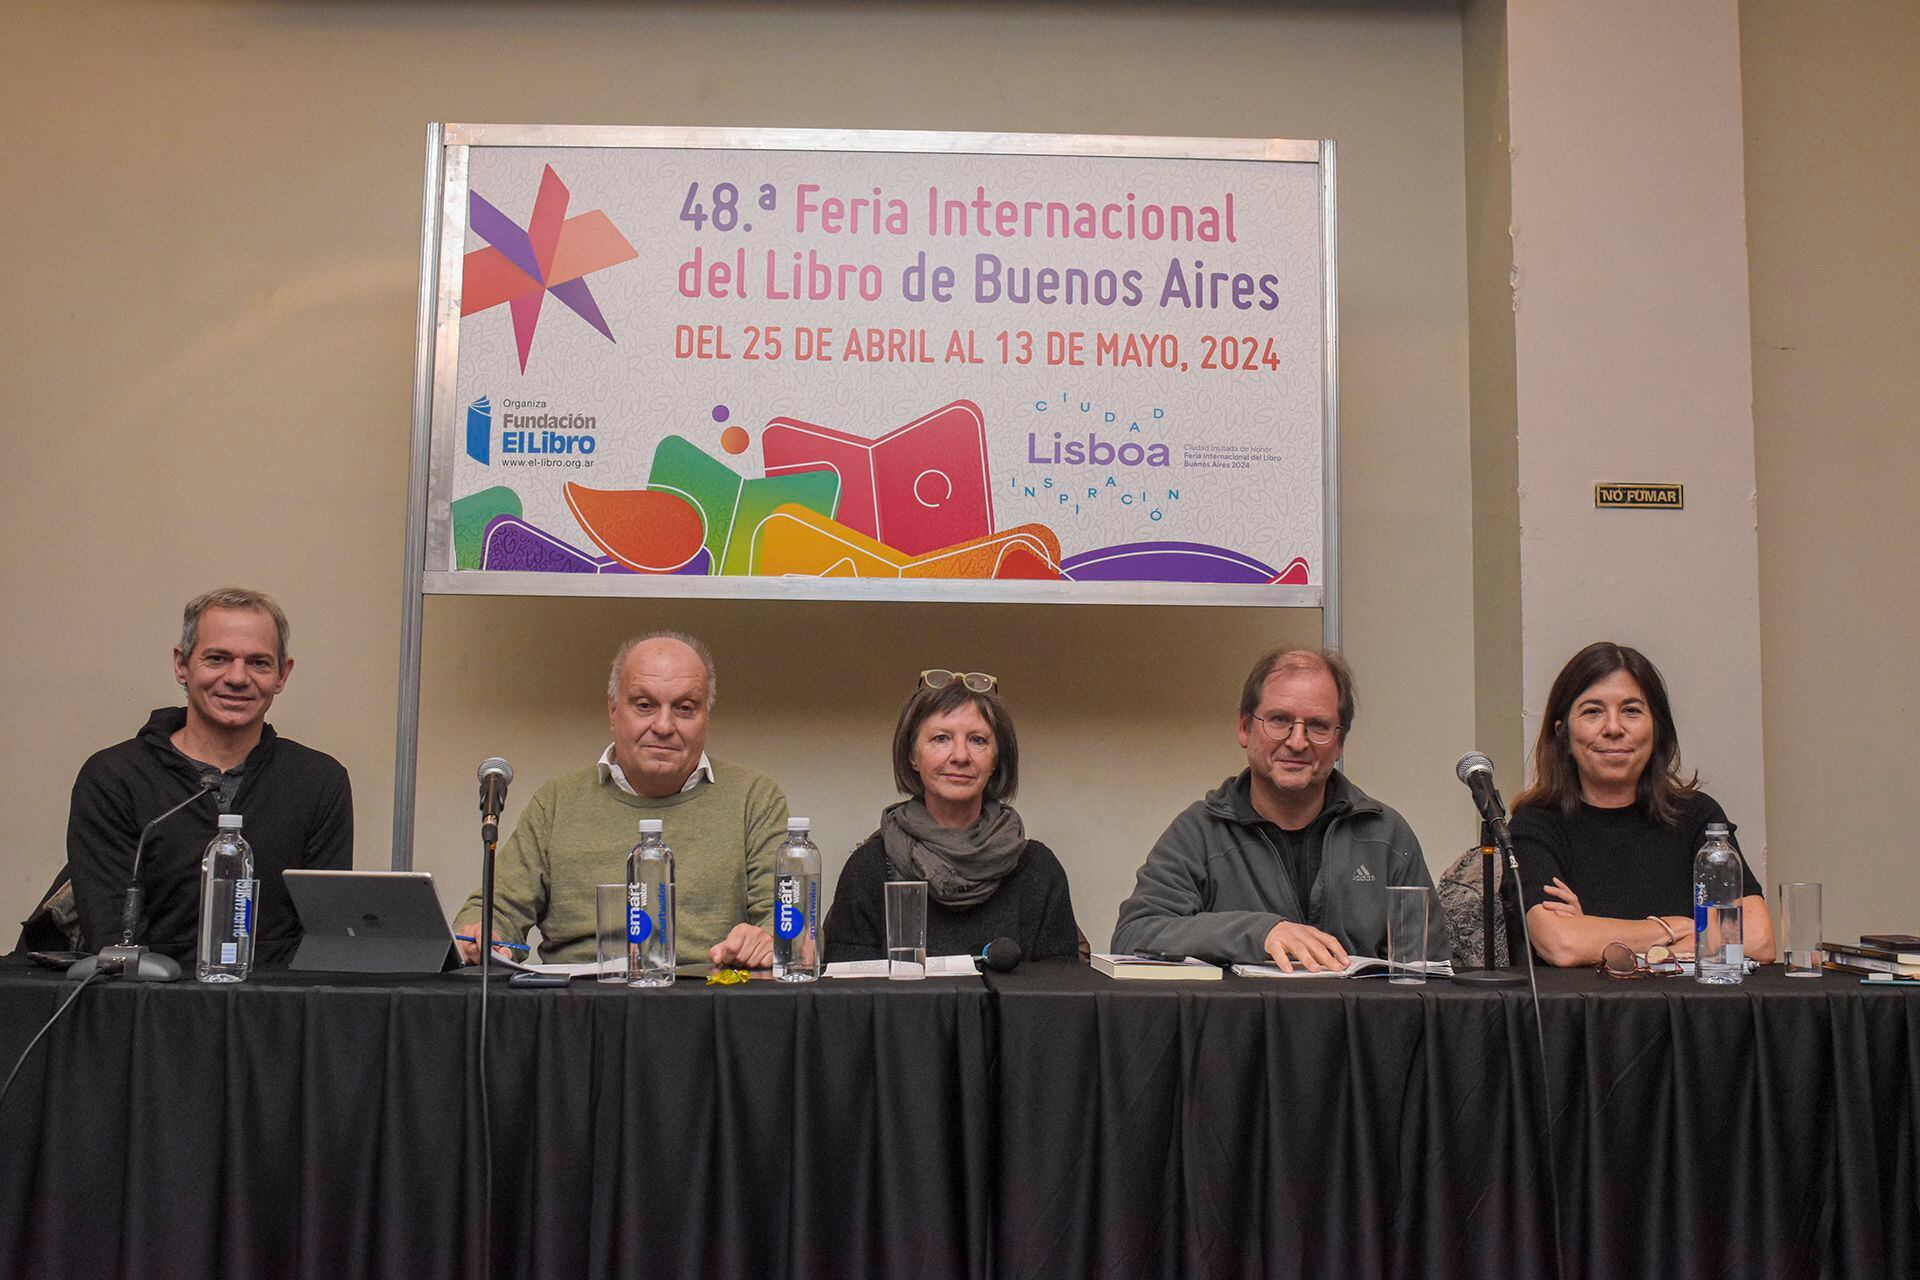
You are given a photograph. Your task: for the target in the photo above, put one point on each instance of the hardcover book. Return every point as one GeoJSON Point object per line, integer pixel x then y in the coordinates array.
{"type": "Point", "coordinates": [1873, 957]}
{"type": "Point", "coordinates": [1129, 968]}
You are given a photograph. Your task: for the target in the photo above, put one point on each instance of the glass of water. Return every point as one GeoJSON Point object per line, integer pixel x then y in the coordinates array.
{"type": "Point", "coordinates": [1800, 929]}
{"type": "Point", "coordinates": [1407, 934]}
{"type": "Point", "coordinates": [906, 929]}
{"type": "Point", "coordinates": [610, 931]}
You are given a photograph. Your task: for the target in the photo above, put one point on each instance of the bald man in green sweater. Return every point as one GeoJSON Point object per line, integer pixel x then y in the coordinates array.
{"type": "Point", "coordinates": [723, 822]}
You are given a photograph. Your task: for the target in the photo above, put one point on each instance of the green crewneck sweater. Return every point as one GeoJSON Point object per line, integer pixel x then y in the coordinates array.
{"type": "Point", "coordinates": [576, 833]}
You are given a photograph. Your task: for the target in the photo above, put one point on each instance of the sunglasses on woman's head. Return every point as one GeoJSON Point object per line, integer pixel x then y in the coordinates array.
{"type": "Point", "coordinates": [978, 681]}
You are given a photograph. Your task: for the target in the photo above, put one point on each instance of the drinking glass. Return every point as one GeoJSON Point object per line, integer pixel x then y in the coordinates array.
{"type": "Point", "coordinates": [1407, 934]}
{"type": "Point", "coordinates": [1800, 929]}
{"type": "Point", "coordinates": [610, 931]}
{"type": "Point", "coordinates": [906, 929]}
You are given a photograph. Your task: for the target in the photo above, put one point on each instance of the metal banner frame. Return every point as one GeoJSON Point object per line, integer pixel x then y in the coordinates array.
{"type": "Point", "coordinates": [444, 220]}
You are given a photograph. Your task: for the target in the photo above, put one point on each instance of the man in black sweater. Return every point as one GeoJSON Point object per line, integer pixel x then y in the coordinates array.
{"type": "Point", "coordinates": [296, 802]}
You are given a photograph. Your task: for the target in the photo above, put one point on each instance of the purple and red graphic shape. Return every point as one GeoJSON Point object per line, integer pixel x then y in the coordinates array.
{"type": "Point", "coordinates": [511, 545]}
{"type": "Point", "coordinates": [917, 488]}
{"type": "Point", "coordinates": [1294, 575]}
{"type": "Point", "coordinates": [1178, 562]}
{"type": "Point", "coordinates": [551, 254]}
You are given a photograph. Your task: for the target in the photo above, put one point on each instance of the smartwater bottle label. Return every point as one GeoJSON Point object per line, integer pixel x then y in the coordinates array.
{"type": "Point", "coordinates": [788, 917]}
{"type": "Point", "coordinates": [242, 908]}
{"type": "Point", "coordinates": [1700, 918]}
{"type": "Point", "coordinates": [639, 923]}
{"type": "Point", "coordinates": [229, 953]}
{"type": "Point", "coordinates": [1736, 954]}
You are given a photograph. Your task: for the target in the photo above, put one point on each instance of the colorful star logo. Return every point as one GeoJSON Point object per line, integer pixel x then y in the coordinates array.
{"type": "Point", "coordinates": [553, 254]}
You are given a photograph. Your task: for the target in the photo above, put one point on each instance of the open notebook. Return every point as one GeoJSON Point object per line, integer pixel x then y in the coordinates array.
{"type": "Point", "coordinates": [937, 967]}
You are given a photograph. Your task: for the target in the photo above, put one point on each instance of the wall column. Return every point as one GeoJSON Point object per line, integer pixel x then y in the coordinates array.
{"type": "Point", "coordinates": [1633, 363]}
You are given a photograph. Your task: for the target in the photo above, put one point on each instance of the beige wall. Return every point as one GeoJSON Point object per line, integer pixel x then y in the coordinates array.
{"type": "Point", "coordinates": [213, 211]}
{"type": "Point", "coordinates": [1833, 202]}
{"type": "Point", "coordinates": [1633, 363]}
{"type": "Point", "coordinates": [214, 214]}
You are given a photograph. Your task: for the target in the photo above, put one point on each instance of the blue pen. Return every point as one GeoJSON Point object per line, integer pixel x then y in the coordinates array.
{"type": "Point", "coordinates": [511, 946]}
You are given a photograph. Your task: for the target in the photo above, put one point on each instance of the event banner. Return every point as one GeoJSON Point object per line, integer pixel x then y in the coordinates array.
{"type": "Point", "coordinates": [728, 363]}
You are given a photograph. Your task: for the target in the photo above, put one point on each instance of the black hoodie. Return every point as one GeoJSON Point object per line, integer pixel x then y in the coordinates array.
{"type": "Point", "coordinates": [298, 811]}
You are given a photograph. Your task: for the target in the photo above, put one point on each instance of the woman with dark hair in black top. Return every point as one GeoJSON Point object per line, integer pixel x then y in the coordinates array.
{"type": "Point", "coordinates": [1607, 833]}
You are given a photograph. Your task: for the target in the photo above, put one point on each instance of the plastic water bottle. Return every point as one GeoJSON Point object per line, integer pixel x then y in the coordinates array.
{"type": "Point", "coordinates": [1719, 953]}
{"type": "Point", "coordinates": [796, 905]}
{"type": "Point", "coordinates": [650, 921]}
{"type": "Point", "coordinates": [227, 897]}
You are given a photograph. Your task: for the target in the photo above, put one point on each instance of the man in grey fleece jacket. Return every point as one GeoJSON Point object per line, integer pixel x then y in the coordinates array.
{"type": "Point", "coordinates": [1288, 862]}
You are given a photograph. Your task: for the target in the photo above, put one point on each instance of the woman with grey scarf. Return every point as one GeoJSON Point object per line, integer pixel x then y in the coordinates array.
{"type": "Point", "coordinates": [956, 758]}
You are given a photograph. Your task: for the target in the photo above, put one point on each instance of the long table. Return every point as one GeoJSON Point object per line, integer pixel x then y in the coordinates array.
{"type": "Point", "coordinates": [1319, 1127]}
{"type": "Point", "coordinates": [1045, 1123]}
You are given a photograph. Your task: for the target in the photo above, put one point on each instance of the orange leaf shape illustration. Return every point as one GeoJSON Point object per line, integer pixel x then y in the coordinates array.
{"type": "Point", "coordinates": [647, 530]}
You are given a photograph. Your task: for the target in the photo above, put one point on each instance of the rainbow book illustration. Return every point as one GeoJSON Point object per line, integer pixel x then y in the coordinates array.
{"type": "Point", "coordinates": [917, 488]}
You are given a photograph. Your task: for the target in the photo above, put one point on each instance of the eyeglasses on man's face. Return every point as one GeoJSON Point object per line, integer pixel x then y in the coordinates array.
{"type": "Point", "coordinates": [977, 681]}
{"type": "Point", "coordinates": [1280, 728]}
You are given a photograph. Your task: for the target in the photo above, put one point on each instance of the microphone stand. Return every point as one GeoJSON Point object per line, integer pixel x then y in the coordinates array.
{"type": "Point", "coordinates": [127, 958]}
{"type": "Point", "coordinates": [1495, 841]}
{"type": "Point", "coordinates": [1492, 841]}
{"type": "Point", "coordinates": [1540, 1046]}
{"type": "Point", "coordinates": [489, 840]}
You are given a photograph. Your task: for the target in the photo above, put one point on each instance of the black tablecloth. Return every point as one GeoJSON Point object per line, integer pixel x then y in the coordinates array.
{"type": "Point", "coordinates": [1263, 1127]}
{"type": "Point", "coordinates": [328, 1128]}
{"type": "Point", "coordinates": [1048, 1123]}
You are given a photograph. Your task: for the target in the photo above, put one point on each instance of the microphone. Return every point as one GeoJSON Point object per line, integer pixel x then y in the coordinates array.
{"type": "Point", "coordinates": [139, 963]}
{"type": "Point", "coordinates": [1002, 955]}
{"type": "Point", "coordinates": [1476, 771]}
{"type": "Point", "coordinates": [494, 775]}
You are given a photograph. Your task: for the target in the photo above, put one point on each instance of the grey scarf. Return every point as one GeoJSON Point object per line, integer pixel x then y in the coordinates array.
{"type": "Point", "coordinates": [961, 868]}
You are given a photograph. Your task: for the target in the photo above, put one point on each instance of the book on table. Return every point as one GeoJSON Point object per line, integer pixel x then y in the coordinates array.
{"type": "Point", "coordinates": [1903, 947]}
{"type": "Point", "coordinates": [1907, 973]}
{"type": "Point", "coordinates": [1357, 967]}
{"type": "Point", "coordinates": [1870, 959]}
{"type": "Point", "coordinates": [1866, 964]}
{"type": "Point", "coordinates": [1154, 968]}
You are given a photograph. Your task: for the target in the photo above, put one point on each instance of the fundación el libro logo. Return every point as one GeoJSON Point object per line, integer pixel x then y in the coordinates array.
{"type": "Point", "coordinates": [529, 434]}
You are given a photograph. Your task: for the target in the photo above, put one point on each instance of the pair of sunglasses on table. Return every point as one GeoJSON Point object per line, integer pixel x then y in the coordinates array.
{"type": "Point", "coordinates": [977, 681]}
{"type": "Point", "coordinates": [1618, 960]}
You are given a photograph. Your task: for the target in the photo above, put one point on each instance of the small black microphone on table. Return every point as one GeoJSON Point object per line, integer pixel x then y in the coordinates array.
{"type": "Point", "coordinates": [494, 775]}
{"type": "Point", "coordinates": [1002, 955]}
